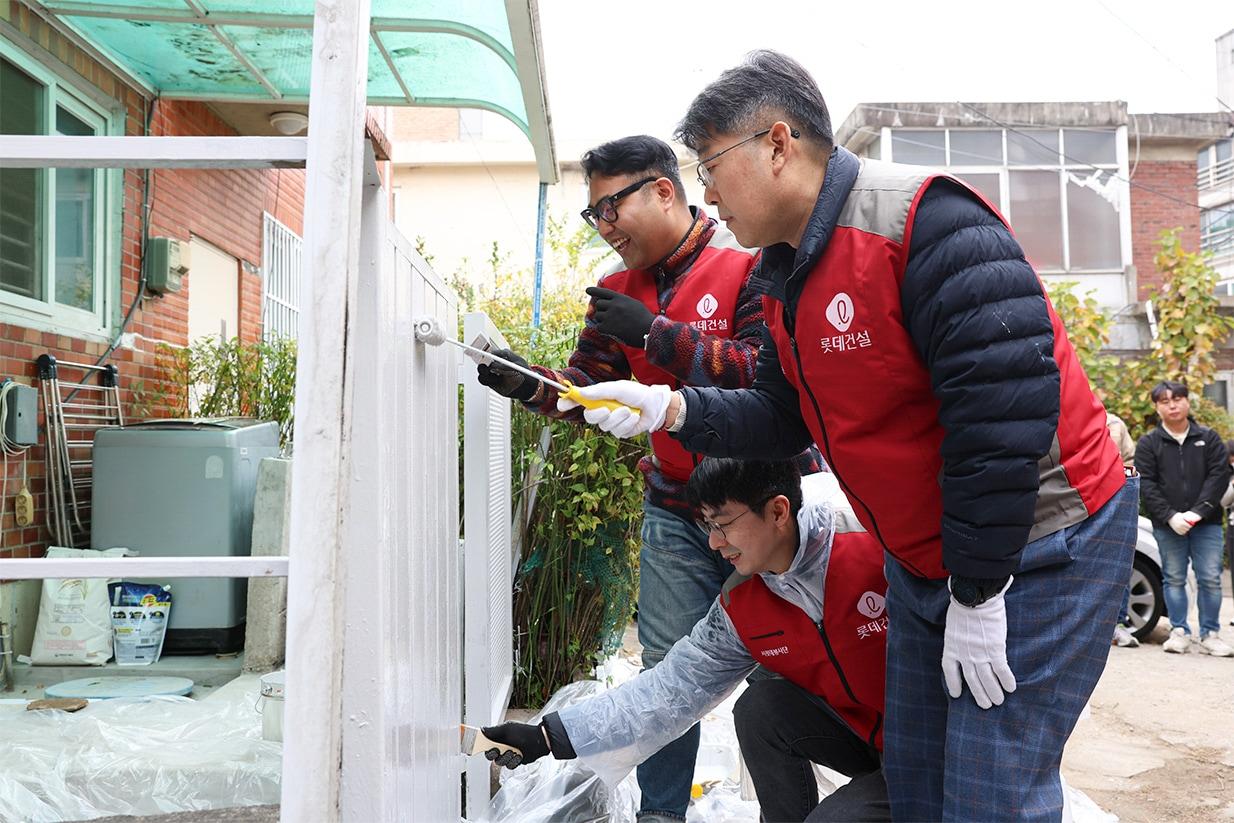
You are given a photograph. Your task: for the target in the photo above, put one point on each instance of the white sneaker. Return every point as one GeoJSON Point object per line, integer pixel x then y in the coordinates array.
{"type": "Point", "coordinates": [1178, 641]}
{"type": "Point", "coordinates": [1124, 638]}
{"type": "Point", "coordinates": [1214, 645]}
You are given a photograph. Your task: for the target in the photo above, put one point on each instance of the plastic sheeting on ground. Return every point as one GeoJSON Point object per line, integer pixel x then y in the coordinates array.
{"type": "Point", "coordinates": [136, 757]}
{"type": "Point", "coordinates": [565, 790]}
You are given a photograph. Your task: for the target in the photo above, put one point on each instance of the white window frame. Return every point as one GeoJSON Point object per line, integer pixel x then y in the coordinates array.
{"type": "Point", "coordinates": [1118, 167]}
{"type": "Point", "coordinates": [47, 314]}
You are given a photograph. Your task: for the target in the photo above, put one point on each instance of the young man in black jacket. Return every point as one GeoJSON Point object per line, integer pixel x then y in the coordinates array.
{"type": "Point", "coordinates": [1184, 471]}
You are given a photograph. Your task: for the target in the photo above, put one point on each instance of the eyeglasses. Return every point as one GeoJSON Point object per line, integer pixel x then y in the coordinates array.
{"type": "Point", "coordinates": [606, 207]}
{"type": "Point", "coordinates": [704, 174]}
{"type": "Point", "coordinates": [710, 526]}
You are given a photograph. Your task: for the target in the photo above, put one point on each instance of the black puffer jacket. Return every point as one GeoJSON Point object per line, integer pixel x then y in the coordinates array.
{"type": "Point", "coordinates": [992, 370]}
{"type": "Point", "coordinates": [1178, 477]}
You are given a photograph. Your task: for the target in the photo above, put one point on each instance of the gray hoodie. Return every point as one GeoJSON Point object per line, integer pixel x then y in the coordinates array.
{"type": "Point", "coordinates": [620, 728]}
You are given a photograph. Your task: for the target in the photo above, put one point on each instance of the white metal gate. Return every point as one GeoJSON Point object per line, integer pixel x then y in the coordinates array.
{"type": "Point", "coordinates": [488, 562]}
{"type": "Point", "coordinates": [282, 260]}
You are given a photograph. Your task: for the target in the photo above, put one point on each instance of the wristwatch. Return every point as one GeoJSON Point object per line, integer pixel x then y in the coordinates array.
{"type": "Point", "coordinates": [973, 591]}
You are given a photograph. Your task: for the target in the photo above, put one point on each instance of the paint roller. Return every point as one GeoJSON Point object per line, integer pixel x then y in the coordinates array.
{"type": "Point", "coordinates": [428, 330]}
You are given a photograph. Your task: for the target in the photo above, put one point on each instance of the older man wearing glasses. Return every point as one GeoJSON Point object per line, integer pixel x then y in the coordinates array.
{"type": "Point", "coordinates": [678, 309]}
{"type": "Point", "coordinates": [915, 344]}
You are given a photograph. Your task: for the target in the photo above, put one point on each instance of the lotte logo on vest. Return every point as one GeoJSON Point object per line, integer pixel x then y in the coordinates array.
{"type": "Point", "coordinates": [840, 314]}
{"type": "Point", "coordinates": [706, 307]}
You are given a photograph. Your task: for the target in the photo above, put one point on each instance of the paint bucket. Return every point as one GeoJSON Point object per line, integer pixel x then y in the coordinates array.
{"type": "Point", "coordinates": [273, 688]}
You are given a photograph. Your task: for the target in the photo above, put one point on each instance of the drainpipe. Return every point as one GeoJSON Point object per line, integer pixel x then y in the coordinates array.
{"type": "Point", "coordinates": [539, 282]}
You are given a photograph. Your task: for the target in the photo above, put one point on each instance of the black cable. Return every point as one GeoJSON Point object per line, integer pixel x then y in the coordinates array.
{"type": "Point", "coordinates": [147, 195]}
{"type": "Point", "coordinates": [147, 202]}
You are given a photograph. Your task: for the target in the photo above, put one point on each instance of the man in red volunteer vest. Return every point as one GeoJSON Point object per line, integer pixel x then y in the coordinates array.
{"type": "Point", "coordinates": [915, 344]}
{"type": "Point", "coordinates": [677, 310]}
{"type": "Point", "coordinates": [806, 600]}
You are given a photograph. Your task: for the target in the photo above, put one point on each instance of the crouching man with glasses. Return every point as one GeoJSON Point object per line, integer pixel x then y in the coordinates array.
{"type": "Point", "coordinates": [677, 309]}
{"type": "Point", "coordinates": [806, 601]}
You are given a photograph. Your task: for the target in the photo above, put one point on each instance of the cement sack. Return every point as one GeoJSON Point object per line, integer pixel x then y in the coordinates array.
{"type": "Point", "coordinates": [74, 623]}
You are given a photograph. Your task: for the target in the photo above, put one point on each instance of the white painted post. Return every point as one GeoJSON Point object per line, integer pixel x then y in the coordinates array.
{"type": "Point", "coordinates": [312, 742]}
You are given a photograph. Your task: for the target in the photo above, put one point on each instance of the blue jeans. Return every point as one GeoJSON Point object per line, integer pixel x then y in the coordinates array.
{"type": "Point", "coordinates": [679, 578]}
{"type": "Point", "coordinates": [947, 759]}
{"type": "Point", "coordinates": [1201, 547]}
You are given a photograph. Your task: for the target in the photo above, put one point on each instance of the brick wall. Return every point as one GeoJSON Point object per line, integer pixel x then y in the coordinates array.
{"type": "Point", "coordinates": [1151, 214]}
{"type": "Point", "coordinates": [222, 207]}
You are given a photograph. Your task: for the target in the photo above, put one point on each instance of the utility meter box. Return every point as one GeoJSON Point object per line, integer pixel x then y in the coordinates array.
{"type": "Point", "coordinates": [167, 261]}
{"type": "Point", "coordinates": [21, 414]}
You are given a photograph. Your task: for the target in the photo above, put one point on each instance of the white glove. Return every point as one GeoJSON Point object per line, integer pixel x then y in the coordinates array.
{"type": "Point", "coordinates": [648, 405]}
{"type": "Point", "coordinates": [975, 643]}
{"type": "Point", "coordinates": [1179, 523]}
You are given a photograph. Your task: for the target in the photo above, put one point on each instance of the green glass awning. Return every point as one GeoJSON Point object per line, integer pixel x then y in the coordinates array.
{"type": "Point", "coordinates": [474, 54]}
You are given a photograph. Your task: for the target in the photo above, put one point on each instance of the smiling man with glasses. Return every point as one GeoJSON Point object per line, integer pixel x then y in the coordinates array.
{"type": "Point", "coordinates": [678, 309]}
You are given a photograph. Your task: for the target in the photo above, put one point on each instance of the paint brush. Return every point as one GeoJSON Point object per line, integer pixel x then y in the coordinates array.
{"type": "Point", "coordinates": [473, 741]}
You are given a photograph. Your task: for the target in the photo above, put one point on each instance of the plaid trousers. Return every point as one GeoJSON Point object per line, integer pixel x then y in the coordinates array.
{"type": "Point", "coordinates": [948, 759]}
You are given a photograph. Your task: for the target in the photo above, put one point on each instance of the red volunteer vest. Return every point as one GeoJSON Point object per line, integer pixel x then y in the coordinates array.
{"type": "Point", "coordinates": [843, 658]}
{"type": "Point", "coordinates": [865, 393]}
{"type": "Point", "coordinates": [706, 298]}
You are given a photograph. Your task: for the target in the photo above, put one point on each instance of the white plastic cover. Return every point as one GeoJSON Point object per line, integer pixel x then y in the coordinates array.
{"type": "Point", "coordinates": [552, 790]}
{"type": "Point", "coordinates": [136, 757]}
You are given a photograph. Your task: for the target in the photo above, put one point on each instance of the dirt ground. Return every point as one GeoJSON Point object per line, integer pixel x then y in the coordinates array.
{"type": "Point", "coordinates": [1157, 745]}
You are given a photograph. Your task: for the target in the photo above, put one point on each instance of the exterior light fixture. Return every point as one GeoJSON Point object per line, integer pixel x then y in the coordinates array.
{"type": "Point", "coordinates": [289, 122]}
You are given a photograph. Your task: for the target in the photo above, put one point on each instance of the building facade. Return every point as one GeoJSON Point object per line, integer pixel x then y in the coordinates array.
{"type": "Point", "coordinates": [72, 241]}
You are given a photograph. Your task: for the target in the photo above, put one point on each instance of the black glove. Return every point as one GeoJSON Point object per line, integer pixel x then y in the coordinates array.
{"type": "Point", "coordinates": [530, 740]}
{"type": "Point", "coordinates": [506, 381]}
{"type": "Point", "coordinates": [621, 316]}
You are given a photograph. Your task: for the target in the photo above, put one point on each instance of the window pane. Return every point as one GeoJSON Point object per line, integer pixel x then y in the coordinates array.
{"type": "Point", "coordinates": [74, 225]}
{"type": "Point", "coordinates": [1092, 221]}
{"type": "Point", "coordinates": [987, 184]}
{"type": "Point", "coordinates": [21, 190]}
{"type": "Point", "coordinates": [1217, 230]}
{"type": "Point", "coordinates": [1037, 216]}
{"type": "Point", "coordinates": [1032, 147]}
{"type": "Point", "coordinates": [1089, 147]}
{"type": "Point", "coordinates": [1201, 159]}
{"type": "Point", "coordinates": [918, 147]}
{"type": "Point", "coordinates": [1223, 150]}
{"type": "Point", "coordinates": [974, 147]}
{"type": "Point", "coordinates": [1218, 393]}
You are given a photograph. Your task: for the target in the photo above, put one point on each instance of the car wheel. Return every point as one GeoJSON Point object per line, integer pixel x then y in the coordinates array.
{"type": "Point", "coordinates": [1146, 603]}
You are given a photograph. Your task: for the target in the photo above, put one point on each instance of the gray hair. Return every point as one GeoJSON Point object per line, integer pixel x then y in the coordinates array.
{"type": "Point", "coordinates": [765, 82]}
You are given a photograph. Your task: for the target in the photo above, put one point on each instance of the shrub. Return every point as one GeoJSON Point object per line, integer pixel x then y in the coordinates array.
{"type": "Point", "coordinates": [1188, 329]}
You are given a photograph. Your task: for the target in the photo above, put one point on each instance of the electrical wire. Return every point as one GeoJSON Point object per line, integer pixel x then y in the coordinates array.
{"type": "Point", "coordinates": [1165, 56]}
{"type": "Point", "coordinates": [9, 449]}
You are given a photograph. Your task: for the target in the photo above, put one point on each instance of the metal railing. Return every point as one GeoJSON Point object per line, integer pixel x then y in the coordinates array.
{"type": "Point", "coordinates": [1215, 174]}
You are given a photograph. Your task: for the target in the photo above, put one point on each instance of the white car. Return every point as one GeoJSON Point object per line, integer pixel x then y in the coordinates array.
{"type": "Point", "coordinates": [1146, 604]}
